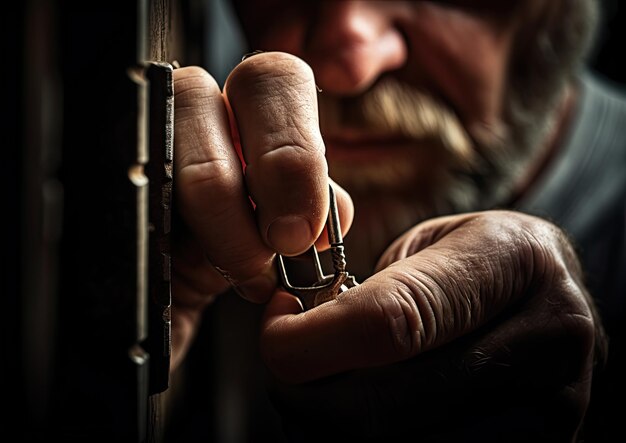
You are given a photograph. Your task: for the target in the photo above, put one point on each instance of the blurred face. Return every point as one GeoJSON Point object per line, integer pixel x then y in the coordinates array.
{"type": "Point", "coordinates": [427, 107]}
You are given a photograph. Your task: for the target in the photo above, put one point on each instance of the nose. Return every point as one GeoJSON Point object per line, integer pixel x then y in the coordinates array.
{"type": "Point", "coordinates": [351, 43]}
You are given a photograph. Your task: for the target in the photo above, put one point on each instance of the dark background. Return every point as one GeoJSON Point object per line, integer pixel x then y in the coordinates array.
{"type": "Point", "coordinates": [606, 59]}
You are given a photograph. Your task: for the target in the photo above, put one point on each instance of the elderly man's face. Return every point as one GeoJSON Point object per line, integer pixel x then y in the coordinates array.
{"type": "Point", "coordinates": [428, 107]}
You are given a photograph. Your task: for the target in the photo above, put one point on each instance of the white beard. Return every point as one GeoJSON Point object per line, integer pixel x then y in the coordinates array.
{"type": "Point", "coordinates": [437, 174]}
{"type": "Point", "coordinates": [452, 169]}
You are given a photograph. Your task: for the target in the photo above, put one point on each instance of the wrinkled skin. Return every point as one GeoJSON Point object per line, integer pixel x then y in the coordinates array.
{"type": "Point", "coordinates": [472, 327]}
{"type": "Point", "coordinates": [477, 331]}
{"type": "Point", "coordinates": [218, 233]}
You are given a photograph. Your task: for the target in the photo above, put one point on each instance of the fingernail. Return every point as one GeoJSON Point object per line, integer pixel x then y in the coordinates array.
{"type": "Point", "coordinates": [290, 235]}
{"type": "Point", "coordinates": [258, 289]}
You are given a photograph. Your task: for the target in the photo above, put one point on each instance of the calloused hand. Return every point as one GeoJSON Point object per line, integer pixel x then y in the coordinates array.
{"type": "Point", "coordinates": [266, 118]}
{"type": "Point", "coordinates": [476, 327]}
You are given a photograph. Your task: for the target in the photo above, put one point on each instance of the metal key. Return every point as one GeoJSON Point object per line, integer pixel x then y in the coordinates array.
{"type": "Point", "coordinates": [327, 286]}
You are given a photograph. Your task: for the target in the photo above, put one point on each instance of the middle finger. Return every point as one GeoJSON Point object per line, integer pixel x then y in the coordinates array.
{"type": "Point", "coordinates": [273, 99]}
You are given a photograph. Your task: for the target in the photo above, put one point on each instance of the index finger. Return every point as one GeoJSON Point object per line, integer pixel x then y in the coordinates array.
{"type": "Point", "coordinates": [477, 269]}
{"type": "Point", "coordinates": [211, 195]}
{"type": "Point", "coordinates": [272, 97]}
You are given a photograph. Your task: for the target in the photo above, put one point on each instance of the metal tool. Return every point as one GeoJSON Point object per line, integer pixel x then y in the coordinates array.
{"type": "Point", "coordinates": [327, 286]}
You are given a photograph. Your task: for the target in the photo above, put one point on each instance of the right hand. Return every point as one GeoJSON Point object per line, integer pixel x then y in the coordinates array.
{"type": "Point", "coordinates": [268, 110]}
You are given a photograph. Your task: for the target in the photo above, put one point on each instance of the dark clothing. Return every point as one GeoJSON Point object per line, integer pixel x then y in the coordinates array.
{"type": "Point", "coordinates": [584, 192]}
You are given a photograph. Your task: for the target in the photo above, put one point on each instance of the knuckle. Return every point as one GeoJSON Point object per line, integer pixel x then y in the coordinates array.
{"type": "Point", "coordinates": [215, 177]}
{"type": "Point", "coordinates": [277, 85]}
{"type": "Point", "coordinates": [215, 180]}
{"type": "Point", "coordinates": [246, 262]}
{"type": "Point", "coordinates": [294, 162]}
{"type": "Point", "coordinates": [270, 66]}
{"type": "Point", "coordinates": [548, 257]}
{"type": "Point", "coordinates": [192, 86]}
{"type": "Point", "coordinates": [393, 321]}
{"type": "Point", "coordinates": [570, 308]}
{"type": "Point", "coordinates": [530, 247]}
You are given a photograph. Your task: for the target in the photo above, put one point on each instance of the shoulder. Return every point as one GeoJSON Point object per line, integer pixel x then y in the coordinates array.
{"type": "Point", "coordinates": [584, 188]}
{"type": "Point", "coordinates": [601, 93]}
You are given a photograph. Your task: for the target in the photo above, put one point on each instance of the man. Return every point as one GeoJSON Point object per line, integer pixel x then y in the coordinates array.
{"type": "Point", "coordinates": [472, 323]}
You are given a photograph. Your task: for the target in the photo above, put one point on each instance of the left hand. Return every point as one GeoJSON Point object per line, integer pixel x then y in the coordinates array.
{"type": "Point", "coordinates": [476, 328]}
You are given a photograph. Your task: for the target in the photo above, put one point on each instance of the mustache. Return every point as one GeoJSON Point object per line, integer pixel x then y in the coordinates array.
{"type": "Point", "coordinates": [395, 109]}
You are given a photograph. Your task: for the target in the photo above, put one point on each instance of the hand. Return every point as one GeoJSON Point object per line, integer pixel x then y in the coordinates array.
{"type": "Point", "coordinates": [267, 118]}
{"type": "Point", "coordinates": [477, 327]}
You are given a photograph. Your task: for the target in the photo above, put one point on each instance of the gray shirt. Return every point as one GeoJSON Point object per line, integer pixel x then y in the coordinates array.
{"type": "Point", "coordinates": [583, 190]}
